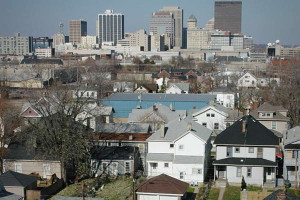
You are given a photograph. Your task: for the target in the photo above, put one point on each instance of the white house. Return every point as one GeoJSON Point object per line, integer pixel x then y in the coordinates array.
{"type": "Point", "coordinates": [212, 116]}
{"type": "Point", "coordinates": [225, 97]}
{"type": "Point", "coordinates": [180, 149]}
{"type": "Point", "coordinates": [246, 149]}
{"type": "Point", "coordinates": [247, 80]}
{"type": "Point", "coordinates": [178, 88]}
{"type": "Point", "coordinates": [160, 82]}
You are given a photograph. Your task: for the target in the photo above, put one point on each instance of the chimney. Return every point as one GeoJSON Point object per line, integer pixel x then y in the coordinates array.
{"type": "Point", "coordinates": [162, 130]}
{"type": "Point", "coordinates": [243, 126]}
{"type": "Point", "coordinates": [154, 108]}
{"type": "Point", "coordinates": [281, 196]}
{"type": "Point", "coordinates": [189, 126]}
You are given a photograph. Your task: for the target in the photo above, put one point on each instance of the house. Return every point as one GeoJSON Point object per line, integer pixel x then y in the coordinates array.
{"type": "Point", "coordinates": [147, 88]}
{"type": "Point", "coordinates": [114, 160]}
{"type": "Point", "coordinates": [177, 75]}
{"type": "Point", "coordinates": [21, 79]}
{"type": "Point", "coordinates": [212, 116]}
{"type": "Point", "coordinates": [85, 93]}
{"type": "Point", "coordinates": [225, 97]}
{"type": "Point", "coordinates": [123, 103]}
{"type": "Point", "coordinates": [19, 158]}
{"type": "Point", "coordinates": [178, 88]}
{"type": "Point", "coordinates": [134, 135]}
{"type": "Point", "coordinates": [162, 187]}
{"type": "Point", "coordinates": [246, 149]}
{"type": "Point", "coordinates": [162, 81]}
{"type": "Point", "coordinates": [124, 86]}
{"type": "Point", "coordinates": [247, 80]}
{"type": "Point", "coordinates": [4, 195]}
{"type": "Point", "coordinates": [156, 115]}
{"type": "Point", "coordinates": [291, 143]}
{"type": "Point", "coordinates": [18, 183]}
{"type": "Point", "coordinates": [273, 117]}
{"type": "Point", "coordinates": [180, 149]}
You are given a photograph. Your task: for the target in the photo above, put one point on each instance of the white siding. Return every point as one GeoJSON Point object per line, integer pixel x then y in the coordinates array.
{"type": "Point", "coordinates": [160, 147]}
{"type": "Point", "coordinates": [221, 152]}
{"type": "Point", "coordinates": [187, 170]}
{"type": "Point", "coordinates": [161, 169]}
{"type": "Point", "coordinates": [156, 197]}
{"type": "Point", "coordinates": [192, 146]}
{"type": "Point", "coordinates": [210, 121]}
{"type": "Point", "coordinates": [269, 154]}
{"type": "Point", "coordinates": [173, 90]}
{"type": "Point", "coordinates": [256, 176]}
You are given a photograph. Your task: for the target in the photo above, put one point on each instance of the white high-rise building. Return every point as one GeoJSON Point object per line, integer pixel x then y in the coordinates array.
{"type": "Point", "coordinates": [136, 39]}
{"type": "Point", "coordinates": [16, 45]}
{"type": "Point", "coordinates": [197, 38]}
{"type": "Point", "coordinates": [89, 42]}
{"type": "Point", "coordinates": [110, 27]}
{"type": "Point", "coordinates": [58, 39]}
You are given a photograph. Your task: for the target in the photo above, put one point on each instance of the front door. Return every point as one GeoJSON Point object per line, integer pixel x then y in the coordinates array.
{"type": "Point", "coordinates": [269, 172]}
{"type": "Point", "coordinates": [222, 172]}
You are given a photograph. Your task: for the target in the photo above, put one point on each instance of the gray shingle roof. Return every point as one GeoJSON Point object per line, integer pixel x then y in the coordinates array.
{"type": "Point", "coordinates": [188, 159]}
{"type": "Point", "coordinates": [161, 112]}
{"type": "Point", "coordinates": [161, 97]}
{"type": "Point", "coordinates": [122, 128]}
{"type": "Point", "coordinates": [268, 107]}
{"type": "Point", "coordinates": [9, 196]}
{"type": "Point", "coordinates": [160, 157]}
{"type": "Point", "coordinates": [292, 135]}
{"type": "Point", "coordinates": [176, 129]}
{"type": "Point", "coordinates": [11, 178]}
{"type": "Point", "coordinates": [245, 161]}
{"type": "Point", "coordinates": [181, 86]}
{"type": "Point", "coordinates": [218, 107]}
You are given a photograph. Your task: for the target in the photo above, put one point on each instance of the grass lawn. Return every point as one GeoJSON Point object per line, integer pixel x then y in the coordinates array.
{"type": "Point", "coordinates": [254, 188]}
{"type": "Point", "coordinates": [190, 189]}
{"type": "Point", "coordinates": [213, 194]}
{"type": "Point", "coordinates": [232, 193]}
{"type": "Point", "coordinates": [121, 188]}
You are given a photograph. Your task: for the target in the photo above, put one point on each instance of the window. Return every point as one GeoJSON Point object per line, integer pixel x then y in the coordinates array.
{"type": "Point", "coordinates": [207, 114]}
{"type": "Point", "coordinates": [153, 165]}
{"type": "Point", "coordinates": [212, 115]}
{"type": "Point", "coordinates": [46, 170]}
{"type": "Point", "coordinates": [295, 154]}
{"type": "Point", "coordinates": [274, 125]}
{"type": "Point", "coordinates": [127, 167]}
{"type": "Point", "coordinates": [259, 152]}
{"type": "Point", "coordinates": [239, 172]}
{"type": "Point", "coordinates": [196, 171]}
{"type": "Point", "coordinates": [166, 165]}
{"type": "Point", "coordinates": [268, 114]}
{"type": "Point", "coordinates": [92, 94]}
{"type": "Point", "coordinates": [181, 175]}
{"type": "Point", "coordinates": [229, 151]}
{"type": "Point", "coordinates": [237, 150]}
{"type": "Point", "coordinates": [171, 145]}
{"type": "Point", "coordinates": [141, 148]}
{"type": "Point", "coordinates": [249, 171]}
{"type": "Point", "coordinates": [251, 149]}
{"type": "Point", "coordinates": [227, 125]}
{"type": "Point", "coordinates": [216, 126]}
{"type": "Point", "coordinates": [18, 167]}
{"type": "Point", "coordinates": [180, 147]}
{"type": "Point", "coordinates": [204, 124]}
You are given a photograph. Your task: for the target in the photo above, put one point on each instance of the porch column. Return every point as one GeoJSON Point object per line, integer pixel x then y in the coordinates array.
{"type": "Point", "coordinates": [214, 172]}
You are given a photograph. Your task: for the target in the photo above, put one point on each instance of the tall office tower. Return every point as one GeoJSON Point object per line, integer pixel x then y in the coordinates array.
{"type": "Point", "coordinates": [178, 17]}
{"type": "Point", "coordinates": [228, 16]}
{"type": "Point", "coordinates": [41, 42]}
{"type": "Point", "coordinates": [58, 39]}
{"type": "Point", "coordinates": [110, 27]}
{"type": "Point", "coordinates": [163, 23]}
{"type": "Point", "coordinates": [197, 38]}
{"type": "Point", "coordinates": [137, 39]}
{"type": "Point", "coordinates": [16, 45]}
{"type": "Point", "coordinates": [210, 25]}
{"type": "Point", "coordinates": [77, 29]}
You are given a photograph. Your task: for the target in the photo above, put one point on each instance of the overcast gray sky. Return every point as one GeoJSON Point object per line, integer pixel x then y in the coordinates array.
{"type": "Point", "coordinates": [265, 20]}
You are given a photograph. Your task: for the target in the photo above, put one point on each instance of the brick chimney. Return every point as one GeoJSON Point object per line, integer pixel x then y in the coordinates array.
{"type": "Point", "coordinates": [244, 123]}
{"type": "Point", "coordinates": [162, 130]}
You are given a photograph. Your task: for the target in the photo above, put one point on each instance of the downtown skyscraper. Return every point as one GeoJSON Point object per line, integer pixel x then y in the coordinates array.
{"type": "Point", "coordinates": [228, 16]}
{"type": "Point", "coordinates": [110, 27]}
{"type": "Point", "coordinates": [77, 29]}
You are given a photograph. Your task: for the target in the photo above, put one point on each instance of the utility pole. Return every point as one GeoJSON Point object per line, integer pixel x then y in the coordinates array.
{"type": "Point", "coordinates": [82, 187]}
{"type": "Point", "coordinates": [296, 174]}
{"type": "Point", "coordinates": [133, 175]}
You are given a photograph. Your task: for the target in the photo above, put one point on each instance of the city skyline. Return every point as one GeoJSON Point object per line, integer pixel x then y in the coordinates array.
{"type": "Point", "coordinates": [266, 20]}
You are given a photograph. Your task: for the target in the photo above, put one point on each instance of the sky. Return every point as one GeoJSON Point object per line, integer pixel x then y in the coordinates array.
{"type": "Point", "coordinates": [264, 20]}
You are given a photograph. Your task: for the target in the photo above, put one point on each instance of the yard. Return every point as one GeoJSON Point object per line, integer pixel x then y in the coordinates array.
{"type": "Point", "coordinates": [232, 193]}
{"type": "Point", "coordinates": [213, 194]}
{"type": "Point", "coordinates": [108, 191]}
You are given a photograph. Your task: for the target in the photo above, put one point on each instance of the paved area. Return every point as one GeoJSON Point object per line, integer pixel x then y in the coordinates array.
{"type": "Point", "coordinates": [221, 194]}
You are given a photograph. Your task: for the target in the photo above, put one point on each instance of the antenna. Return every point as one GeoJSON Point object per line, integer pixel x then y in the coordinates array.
{"type": "Point", "coordinates": [61, 28]}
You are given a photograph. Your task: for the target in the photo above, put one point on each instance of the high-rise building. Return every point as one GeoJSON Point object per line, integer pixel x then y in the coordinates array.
{"type": "Point", "coordinates": [197, 38]}
{"type": "Point", "coordinates": [16, 45]}
{"type": "Point", "coordinates": [89, 42]}
{"type": "Point", "coordinates": [163, 23]}
{"type": "Point", "coordinates": [136, 39]}
{"type": "Point", "coordinates": [41, 42]}
{"type": "Point", "coordinates": [110, 27]}
{"type": "Point", "coordinates": [177, 13]}
{"type": "Point", "coordinates": [77, 29]}
{"type": "Point", "coordinates": [226, 40]}
{"type": "Point", "coordinates": [58, 39]}
{"type": "Point", "coordinates": [228, 16]}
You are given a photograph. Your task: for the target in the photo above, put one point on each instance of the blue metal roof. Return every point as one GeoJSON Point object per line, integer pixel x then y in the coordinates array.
{"type": "Point", "coordinates": [123, 103]}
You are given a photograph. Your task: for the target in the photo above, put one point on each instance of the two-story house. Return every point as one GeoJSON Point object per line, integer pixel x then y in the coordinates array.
{"type": "Point", "coordinates": [225, 96]}
{"type": "Point", "coordinates": [291, 142]}
{"type": "Point", "coordinates": [273, 117]}
{"type": "Point", "coordinates": [211, 116]}
{"type": "Point", "coordinates": [178, 88]}
{"type": "Point", "coordinates": [247, 80]}
{"type": "Point", "coordinates": [180, 149]}
{"type": "Point", "coordinates": [246, 149]}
